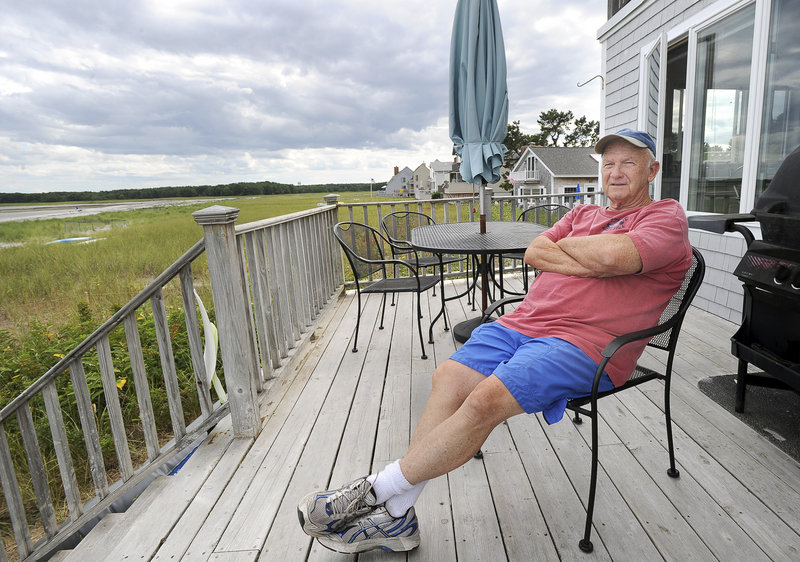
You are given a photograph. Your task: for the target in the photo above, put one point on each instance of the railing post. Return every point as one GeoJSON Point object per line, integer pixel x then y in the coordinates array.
{"type": "Point", "coordinates": [227, 289]}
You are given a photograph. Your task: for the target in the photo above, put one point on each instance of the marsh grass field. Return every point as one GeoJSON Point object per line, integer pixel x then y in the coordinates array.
{"type": "Point", "coordinates": [44, 282]}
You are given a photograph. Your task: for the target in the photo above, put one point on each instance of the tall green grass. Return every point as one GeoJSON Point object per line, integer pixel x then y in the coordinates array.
{"type": "Point", "coordinates": [46, 282]}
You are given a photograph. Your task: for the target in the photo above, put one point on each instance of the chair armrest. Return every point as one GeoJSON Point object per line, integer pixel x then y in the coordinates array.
{"type": "Point", "coordinates": [404, 263]}
{"type": "Point", "coordinates": [492, 308]}
{"type": "Point", "coordinates": [648, 333]}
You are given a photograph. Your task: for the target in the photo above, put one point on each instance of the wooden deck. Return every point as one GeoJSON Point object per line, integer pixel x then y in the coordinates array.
{"type": "Point", "coordinates": [331, 415]}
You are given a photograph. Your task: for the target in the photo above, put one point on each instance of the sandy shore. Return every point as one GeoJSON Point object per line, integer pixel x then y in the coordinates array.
{"type": "Point", "coordinates": [64, 211]}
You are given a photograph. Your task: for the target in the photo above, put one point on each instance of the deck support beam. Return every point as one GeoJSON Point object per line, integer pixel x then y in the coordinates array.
{"type": "Point", "coordinates": [232, 316]}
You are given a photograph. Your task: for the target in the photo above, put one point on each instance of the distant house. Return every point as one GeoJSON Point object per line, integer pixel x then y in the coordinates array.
{"type": "Point", "coordinates": [457, 187]}
{"type": "Point", "coordinates": [398, 185]}
{"type": "Point", "coordinates": [440, 175]}
{"type": "Point", "coordinates": [420, 184]}
{"type": "Point", "coordinates": [555, 170]}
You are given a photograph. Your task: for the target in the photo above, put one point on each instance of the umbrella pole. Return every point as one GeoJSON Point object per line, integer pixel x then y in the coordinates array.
{"type": "Point", "coordinates": [482, 195]}
{"type": "Point", "coordinates": [483, 259]}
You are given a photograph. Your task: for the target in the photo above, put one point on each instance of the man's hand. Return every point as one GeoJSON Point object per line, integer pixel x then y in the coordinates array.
{"type": "Point", "coordinates": [599, 255]}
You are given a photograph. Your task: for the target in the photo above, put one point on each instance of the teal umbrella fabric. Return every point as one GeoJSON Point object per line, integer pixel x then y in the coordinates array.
{"type": "Point", "coordinates": [478, 91]}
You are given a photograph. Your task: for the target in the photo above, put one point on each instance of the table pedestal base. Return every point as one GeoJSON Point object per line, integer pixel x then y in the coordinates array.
{"type": "Point", "coordinates": [463, 330]}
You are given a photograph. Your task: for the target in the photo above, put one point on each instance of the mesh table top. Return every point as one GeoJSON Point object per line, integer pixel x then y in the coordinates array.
{"type": "Point", "coordinates": [464, 237]}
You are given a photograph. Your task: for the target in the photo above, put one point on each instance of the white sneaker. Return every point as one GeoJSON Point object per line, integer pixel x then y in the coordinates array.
{"type": "Point", "coordinates": [377, 529]}
{"type": "Point", "coordinates": [321, 513]}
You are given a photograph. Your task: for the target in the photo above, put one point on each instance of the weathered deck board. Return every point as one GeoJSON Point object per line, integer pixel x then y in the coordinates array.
{"type": "Point", "coordinates": [331, 415]}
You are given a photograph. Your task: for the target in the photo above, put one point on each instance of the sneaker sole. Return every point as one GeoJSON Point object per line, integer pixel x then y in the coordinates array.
{"type": "Point", "coordinates": [394, 544]}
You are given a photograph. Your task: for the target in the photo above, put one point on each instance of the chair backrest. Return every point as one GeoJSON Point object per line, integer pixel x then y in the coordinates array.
{"type": "Point", "coordinates": [679, 303]}
{"type": "Point", "coordinates": [399, 224]}
{"type": "Point", "coordinates": [546, 215]}
{"type": "Point", "coordinates": [360, 243]}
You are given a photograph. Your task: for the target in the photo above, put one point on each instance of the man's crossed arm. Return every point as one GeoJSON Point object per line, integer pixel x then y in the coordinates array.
{"type": "Point", "coordinates": [598, 255]}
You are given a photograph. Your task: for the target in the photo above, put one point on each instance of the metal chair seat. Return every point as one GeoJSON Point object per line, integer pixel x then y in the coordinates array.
{"type": "Point", "coordinates": [401, 285]}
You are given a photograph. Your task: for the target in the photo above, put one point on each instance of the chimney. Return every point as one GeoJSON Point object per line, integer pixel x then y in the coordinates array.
{"type": "Point", "coordinates": [396, 170]}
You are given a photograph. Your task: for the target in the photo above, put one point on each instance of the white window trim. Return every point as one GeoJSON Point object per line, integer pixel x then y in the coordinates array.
{"type": "Point", "coordinates": [726, 8]}
{"type": "Point", "coordinates": [645, 53]}
{"type": "Point", "coordinates": [758, 79]}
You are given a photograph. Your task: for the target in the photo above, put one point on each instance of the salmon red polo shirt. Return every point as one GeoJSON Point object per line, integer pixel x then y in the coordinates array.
{"type": "Point", "coordinates": [590, 312]}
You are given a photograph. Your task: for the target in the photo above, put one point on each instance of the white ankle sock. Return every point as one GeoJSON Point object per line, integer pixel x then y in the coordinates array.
{"type": "Point", "coordinates": [392, 489]}
{"type": "Point", "coordinates": [389, 482]}
{"type": "Point", "coordinates": [398, 505]}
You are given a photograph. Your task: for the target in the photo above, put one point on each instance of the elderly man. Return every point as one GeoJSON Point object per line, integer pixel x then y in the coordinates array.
{"type": "Point", "coordinates": [605, 271]}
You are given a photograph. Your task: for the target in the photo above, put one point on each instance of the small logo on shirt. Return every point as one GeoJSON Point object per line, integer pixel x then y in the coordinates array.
{"type": "Point", "coordinates": [615, 224]}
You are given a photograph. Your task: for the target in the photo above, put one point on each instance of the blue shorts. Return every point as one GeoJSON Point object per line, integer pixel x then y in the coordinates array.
{"type": "Point", "coordinates": [540, 373]}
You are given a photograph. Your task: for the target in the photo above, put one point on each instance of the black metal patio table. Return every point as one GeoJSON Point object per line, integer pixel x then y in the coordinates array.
{"type": "Point", "coordinates": [501, 237]}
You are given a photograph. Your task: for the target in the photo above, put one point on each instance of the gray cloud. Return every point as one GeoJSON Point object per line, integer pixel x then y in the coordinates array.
{"type": "Point", "coordinates": [172, 85]}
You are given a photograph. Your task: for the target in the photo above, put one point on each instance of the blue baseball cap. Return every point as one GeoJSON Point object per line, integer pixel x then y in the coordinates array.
{"type": "Point", "coordinates": [636, 138]}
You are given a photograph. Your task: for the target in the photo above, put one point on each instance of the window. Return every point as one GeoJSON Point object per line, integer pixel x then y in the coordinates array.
{"type": "Point", "coordinates": [651, 85]}
{"type": "Point", "coordinates": [719, 117]}
{"type": "Point", "coordinates": [672, 141]}
{"type": "Point", "coordinates": [780, 121]}
{"type": "Point", "coordinates": [531, 169]}
{"type": "Point", "coordinates": [615, 6]}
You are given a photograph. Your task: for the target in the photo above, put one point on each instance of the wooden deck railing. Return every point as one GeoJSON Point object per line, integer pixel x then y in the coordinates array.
{"type": "Point", "coordinates": [462, 209]}
{"type": "Point", "coordinates": [269, 280]}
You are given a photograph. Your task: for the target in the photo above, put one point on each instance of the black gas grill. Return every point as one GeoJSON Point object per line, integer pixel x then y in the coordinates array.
{"type": "Point", "coordinates": [769, 336]}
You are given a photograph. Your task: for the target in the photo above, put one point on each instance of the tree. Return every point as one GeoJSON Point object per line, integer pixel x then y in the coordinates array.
{"type": "Point", "coordinates": [585, 132]}
{"type": "Point", "coordinates": [553, 125]}
{"type": "Point", "coordinates": [515, 142]}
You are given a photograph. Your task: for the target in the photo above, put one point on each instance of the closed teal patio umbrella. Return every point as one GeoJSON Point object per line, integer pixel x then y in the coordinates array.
{"type": "Point", "coordinates": [478, 93]}
{"type": "Point", "coordinates": [478, 100]}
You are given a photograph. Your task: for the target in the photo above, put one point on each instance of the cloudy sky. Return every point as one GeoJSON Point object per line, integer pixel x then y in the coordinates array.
{"type": "Point", "coordinates": [108, 94]}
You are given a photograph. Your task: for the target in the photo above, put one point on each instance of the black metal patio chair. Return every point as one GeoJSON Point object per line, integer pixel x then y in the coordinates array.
{"type": "Point", "coordinates": [546, 215]}
{"type": "Point", "coordinates": [374, 272]}
{"type": "Point", "coordinates": [664, 337]}
{"type": "Point", "coordinates": [398, 226]}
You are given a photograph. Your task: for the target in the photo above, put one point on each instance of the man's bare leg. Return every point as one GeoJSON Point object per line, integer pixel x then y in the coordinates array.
{"type": "Point", "coordinates": [438, 448]}
{"type": "Point", "coordinates": [452, 382]}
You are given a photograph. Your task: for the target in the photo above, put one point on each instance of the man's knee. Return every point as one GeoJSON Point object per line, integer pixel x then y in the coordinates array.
{"type": "Point", "coordinates": [452, 375]}
{"type": "Point", "coordinates": [490, 402]}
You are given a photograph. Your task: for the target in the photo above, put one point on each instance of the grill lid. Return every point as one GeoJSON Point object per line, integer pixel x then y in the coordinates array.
{"type": "Point", "coordinates": [778, 208]}
{"type": "Point", "coordinates": [782, 196]}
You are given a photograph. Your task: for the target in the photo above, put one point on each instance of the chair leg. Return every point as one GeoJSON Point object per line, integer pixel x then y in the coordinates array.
{"type": "Point", "coordinates": [444, 312]}
{"type": "Point", "coordinates": [358, 323]}
{"type": "Point", "coordinates": [585, 543]}
{"type": "Point", "coordinates": [672, 472]}
{"type": "Point", "coordinates": [419, 326]}
{"type": "Point", "coordinates": [383, 308]}
{"type": "Point", "coordinates": [474, 279]}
